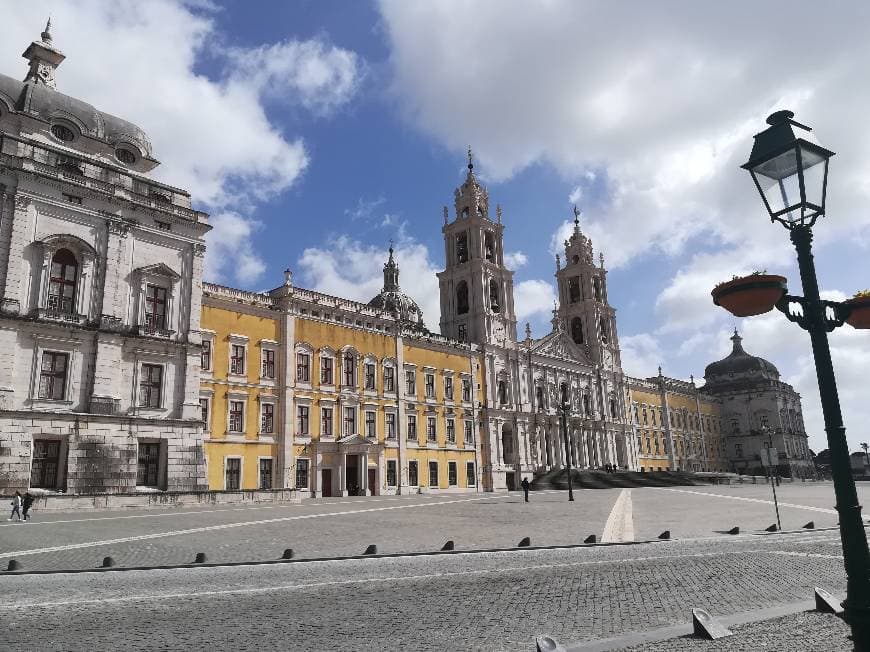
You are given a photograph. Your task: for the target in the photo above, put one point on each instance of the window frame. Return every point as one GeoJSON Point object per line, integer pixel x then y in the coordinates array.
{"type": "Point", "coordinates": [470, 478]}
{"type": "Point", "coordinates": [432, 477]}
{"type": "Point", "coordinates": [411, 429]}
{"type": "Point", "coordinates": [390, 431]}
{"type": "Point", "coordinates": [233, 358]}
{"type": "Point", "coordinates": [431, 430]}
{"type": "Point", "coordinates": [241, 471]}
{"type": "Point", "coordinates": [450, 430]}
{"type": "Point", "coordinates": [303, 370]}
{"type": "Point", "coordinates": [452, 474]}
{"type": "Point", "coordinates": [268, 368]}
{"type": "Point", "coordinates": [306, 471]}
{"type": "Point", "coordinates": [267, 411]}
{"type": "Point", "coordinates": [160, 385]}
{"type": "Point", "coordinates": [207, 353]}
{"type": "Point", "coordinates": [371, 425]}
{"type": "Point", "coordinates": [392, 473]}
{"type": "Point", "coordinates": [53, 374]}
{"type": "Point", "coordinates": [410, 382]}
{"type": "Point", "coordinates": [260, 460]}
{"type": "Point", "coordinates": [327, 423]}
{"type": "Point", "coordinates": [230, 415]}
{"type": "Point", "coordinates": [303, 420]}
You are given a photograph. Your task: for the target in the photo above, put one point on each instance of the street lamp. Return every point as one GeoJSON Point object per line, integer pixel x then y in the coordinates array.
{"type": "Point", "coordinates": [564, 406]}
{"type": "Point", "coordinates": [790, 171]}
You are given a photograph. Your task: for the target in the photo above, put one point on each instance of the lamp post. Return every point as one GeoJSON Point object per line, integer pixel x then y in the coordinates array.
{"type": "Point", "coordinates": [564, 406]}
{"type": "Point", "coordinates": [790, 171]}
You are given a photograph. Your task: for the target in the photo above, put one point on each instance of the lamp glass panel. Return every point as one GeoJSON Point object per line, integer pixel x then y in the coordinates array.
{"type": "Point", "coordinates": [778, 179]}
{"type": "Point", "coordinates": [814, 177]}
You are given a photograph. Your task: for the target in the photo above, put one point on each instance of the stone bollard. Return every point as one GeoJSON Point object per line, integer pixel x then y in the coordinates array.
{"type": "Point", "coordinates": [734, 530]}
{"type": "Point", "coordinates": [200, 558]}
{"type": "Point", "coordinates": [590, 539]}
{"type": "Point", "coordinates": [810, 526]}
{"type": "Point", "coordinates": [771, 528]}
{"type": "Point", "coordinates": [665, 536]}
{"type": "Point", "coordinates": [288, 553]}
{"type": "Point", "coordinates": [108, 562]}
{"type": "Point", "coordinates": [525, 543]}
{"type": "Point", "coordinates": [448, 545]}
{"type": "Point", "coordinates": [13, 565]}
{"type": "Point", "coordinates": [371, 550]}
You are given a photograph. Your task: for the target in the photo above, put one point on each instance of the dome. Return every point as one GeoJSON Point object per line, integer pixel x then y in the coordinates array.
{"type": "Point", "coordinates": [739, 362]}
{"type": "Point", "coordinates": [392, 300]}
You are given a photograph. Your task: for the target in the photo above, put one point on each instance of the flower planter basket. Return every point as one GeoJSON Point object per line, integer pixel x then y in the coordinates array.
{"type": "Point", "coordinates": [750, 295]}
{"type": "Point", "coordinates": [860, 315]}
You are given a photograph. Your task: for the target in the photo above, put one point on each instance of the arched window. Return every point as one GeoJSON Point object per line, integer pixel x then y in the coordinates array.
{"type": "Point", "coordinates": [489, 246]}
{"type": "Point", "coordinates": [602, 327]}
{"type": "Point", "coordinates": [462, 247]}
{"type": "Point", "coordinates": [502, 392]}
{"type": "Point", "coordinates": [62, 286]}
{"type": "Point", "coordinates": [539, 397]}
{"type": "Point", "coordinates": [574, 289]}
{"type": "Point", "coordinates": [465, 212]}
{"type": "Point", "coordinates": [577, 330]}
{"type": "Point", "coordinates": [494, 302]}
{"type": "Point", "coordinates": [462, 298]}
{"type": "Point", "coordinates": [349, 369]}
{"type": "Point", "coordinates": [596, 287]}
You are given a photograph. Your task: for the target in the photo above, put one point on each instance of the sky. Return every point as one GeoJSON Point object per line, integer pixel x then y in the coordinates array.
{"type": "Point", "coordinates": [316, 131]}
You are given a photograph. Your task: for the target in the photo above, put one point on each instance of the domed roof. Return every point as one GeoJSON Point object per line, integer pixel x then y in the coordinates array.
{"type": "Point", "coordinates": [739, 362]}
{"type": "Point", "coordinates": [393, 300]}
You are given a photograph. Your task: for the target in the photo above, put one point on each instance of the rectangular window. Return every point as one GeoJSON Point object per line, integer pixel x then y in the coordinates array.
{"type": "Point", "coordinates": [433, 474]}
{"type": "Point", "coordinates": [390, 418]}
{"type": "Point", "coordinates": [149, 385]}
{"type": "Point", "coordinates": [52, 375]}
{"type": "Point", "coordinates": [451, 474]}
{"type": "Point", "coordinates": [349, 370]}
{"type": "Point", "coordinates": [470, 476]}
{"type": "Point", "coordinates": [326, 371]}
{"type": "Point", "coordinates": [43, 471]}
{"type": "Point", "coordinates": [370, 376]}
{"type": "Point", "coordinates": [391, 473]}
{"type": "Point", "coordinates": [155, 307]}
{"type": "Point", "coordinates": [233, 474]}
{"type": "Point", "coordinates": [203, 408]}
{"type": "Point", "coordinates": [148, 465]}
{"type": "Point", "coordinates": [301, 473]}
{"type": "Point", "coordinates": [451, 431]}
{"type": "Point", "coordinates": [370, 424]}
{"type": "Point", "coordinates": [466, 390]}
{"type": "Point", "coordinates": [303, 368]}
{"type": "Point", "coordinates": [205, 356]}
{"type": "Point", "coordinates": [448, 389]}
{"type": "Point", "coordinates": [237, 416]}
{"type": "Point", "coordinates": [349, 421]}
{"type": "Point", "coordinates": [412, 426]}
{"type": "Point", "coordinates": [410, 383]}
{"type": "Point", "coordinates": [462, 333]}
{"type": "Point", "coordinates": [430, 429]}
{"type": "Point", "coordinates": [430, 386]}
{"type": "Point", "coordinates": [389, 379]}
{"type": "Point", "coordinates": [267, 418]}
{"type": "Point", "coordinates": [302, 420]}
{"type": "Point", "coordinates": [268, 364]}
{"type": "Point", "coordinates": [326, 422]}
{"type": "Point", "coordinates": [237, 359]}
{"type": "Point", "coordinates": [412, 474]}
{"type": "Point", "coordinates": [265, 474]}
{"type": "Point", "coordinates": [468, 433]}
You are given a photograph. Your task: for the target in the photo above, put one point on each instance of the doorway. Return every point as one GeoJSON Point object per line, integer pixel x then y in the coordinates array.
{"type": "Point", "coordinates": [351, 479]}
{"type": "Point", "coordinates": [326, 483]}
{"type": "Point", "coordinates": [509, 481]}
{"type": "Point", "coordinates": [373, 482]}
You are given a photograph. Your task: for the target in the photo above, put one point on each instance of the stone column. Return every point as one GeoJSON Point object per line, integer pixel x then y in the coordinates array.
{"type": "Point", "coordinates": [403, 486]}
{"type": "Point", "coordinates": [16, 233]}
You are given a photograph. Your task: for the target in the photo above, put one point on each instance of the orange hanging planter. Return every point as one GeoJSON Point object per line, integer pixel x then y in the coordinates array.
{"type": "Point", "coordinates": [860, 315]}
{"type": "Point", "coordinates": [750, 295]}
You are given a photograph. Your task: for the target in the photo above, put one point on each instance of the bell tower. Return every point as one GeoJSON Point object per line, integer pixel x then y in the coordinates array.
{"type": "Point", "coordinates": [44, 58]}
{"type": "Point", "coordinates": [477, 290]}
{"type": "Point", "coordinates": [584, 311]}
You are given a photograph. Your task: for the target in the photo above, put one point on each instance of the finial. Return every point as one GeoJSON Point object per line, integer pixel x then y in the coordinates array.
{"type": "Point", "coordinates": [498, 212]}
{"type": "Point", "coordinates": [391, 248]}
{"type": "Point", "coordinates": [601, 258]}
{"type": "Point", "coordinates": [470, 159]}
{"type": "Point", "coordinates": [692, 379]}
{"type": "Point", "coordinates": [46, 35]}
{"type": "Point", "coordinates": [576, 215]}
{"type": "Point", "coordinates": [528, 331]}
{"type": "Point", "coordinates": [446, 215]}
{"type": "Point", "coordinates": [660, 371]}
{"type": "Point", "coordinates": [558, 262]}
{"type": "Point", "coordinates": [288, 278]}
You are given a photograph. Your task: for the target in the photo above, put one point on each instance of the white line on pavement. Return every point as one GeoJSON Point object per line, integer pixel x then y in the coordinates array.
{"type": "Point", "coordinates": [226, 526]}
{"type": "Point", "coordinates": [790, 553]}
{"type": "Point", "coordinates": [620, 524]}
{"type": "Point", "coordinates": [752, 500]}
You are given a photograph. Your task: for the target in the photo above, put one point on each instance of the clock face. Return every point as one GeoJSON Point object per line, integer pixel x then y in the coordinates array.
{"type": "Point", "coordinates": [607, 358]}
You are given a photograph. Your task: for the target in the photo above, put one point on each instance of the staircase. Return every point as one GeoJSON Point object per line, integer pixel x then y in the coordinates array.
{"type": "Point", "coordinates": [558, 479]}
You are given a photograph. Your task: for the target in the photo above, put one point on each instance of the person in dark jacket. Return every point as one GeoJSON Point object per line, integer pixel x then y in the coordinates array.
{"type": "Point", "coordinates": [26, 504]}
{"type": "Point", "coordinates": [525, 486]}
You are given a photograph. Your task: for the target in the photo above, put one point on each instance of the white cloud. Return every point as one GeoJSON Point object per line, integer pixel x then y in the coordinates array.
{"type": "Point", "coordinates": [364, 208]}
{"type": "Point", "coordinates": [515, 259]}
{"type": "Point", "coordinates": [230, 250]}
{"type": "Point", "coordinates": [141, 61]}
{"type": "Point", "coordinates": [533, 297]}
{"type": "Point", "coordinates": [575, 195]}
{"type": "Point", "coordinates": [641, 354]}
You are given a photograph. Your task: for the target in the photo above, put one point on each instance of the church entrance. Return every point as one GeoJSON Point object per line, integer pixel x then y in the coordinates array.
{"type": "Point", "coordinates": [351, 475]}
{"type": "Point", "coordinates": [510, 481]}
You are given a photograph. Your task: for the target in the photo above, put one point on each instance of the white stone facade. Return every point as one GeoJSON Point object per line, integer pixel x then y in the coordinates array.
{"type": "Point", "coordinates": [100, 277]}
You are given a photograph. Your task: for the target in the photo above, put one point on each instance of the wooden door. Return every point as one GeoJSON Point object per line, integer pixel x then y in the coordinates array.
{"type": "Point", "coordinates": [326, 483]}
{"type": "Point", "coordinates": [373, 478]}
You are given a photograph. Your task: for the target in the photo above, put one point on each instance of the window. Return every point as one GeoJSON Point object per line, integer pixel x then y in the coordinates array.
{"type": "Point", "coordinates": [466, 390]}
{"type": "Point", "coordinates": [349, 421]}
{"type": "Point", "coordinates": [469, 433]}
{"type": "Point", "coordinates": [326, 371]}
{"type": "Point", "coordinates": [237, 359]}
{"type": "Point", "coordinates": [764, 421]}
{"type": "Point", "coordinates": [494, 303]}
{"type": "Point", "coordinates": [237, 416]}
{"type": "Point", "coordinates": [370, 375]}
{"type": "Point", "coordinates": [52, 375]}
{"type": "Point", "coordinates": [203, 408]}
{"type": "Point", "coordinates": [577, 330]}
{"type": "Point", "coordinates": [587, 406]}
{"type": "Point", "coordinates": [410, 383]}
{"type": "Point", "coordinates": [574, 289]}
{"type": "Point", "coordinates": [267, 418]}
{"type": "Point", "coordinates": [461, 298]}
{"type": "Point", "coordinates": [148, 464]}
{"type": "Point", "coordinates": [62, 283]}
{"type": "Point", "coordinates": [462, 247]}
{"type": "Point", "coordinates": [539, 397]}
{"type": "Point", "coordinates": [205, 356]}
{"type": "Point", "coordinates": [653, 416]}
{"type": "Point", "coordinates": [62, 132]}
{"type": "Point", "coordinates": [302, 420]}
{"type": "Point", "coordinates": [233, 474]}
{"type": "Point", "coordinates": [72, 199]}
{"type": "Point", "coordinates": [301, 473]}
{"type": "Point", "coordinates": [462, 333]}
{"type": "Point", "coordinates": [602, 327]}
{"type": "Point", "coordinates": [489, 246]}
{"type": "Point", "coordinates": [451, 431]}
{"type": "Point", "coordinates": [326, 422]}
{"type": "Point", "coordinates": [430, 386]}
{"type": "Point", "coordinates": [412, 426]}
{"type": "Point", "coordinates": [391, 473]}
{"type": "Point", "coordinates": [451, 474]}
{"type": "Point", "coordinates": [265, 473]}
{"type": "Point", "coordinates": [433, 474]}
{"type": "Point", "coordinates": [303, 368]}
{"type": "Point", "coordinates": [470, 475]}
{"type": "Point", "coordinates": [391, 425]}
{"type": "Point", "coordinates": [155, 307]}
{"type": "Point", "coordinates": [389, 379]}
{"type": "Point", "coordinates": [349, 369]}
{"type": "Point", "coordinates": [735, 425]}
{"type": "Point", "coordinates": [596, 287]}
{"type": "Point", "coordinates": [448, 388]}
{"type": "Point", "coordinates": [738, 450]}
{"type": "Point", "coordinates": [43, 471]}
{"type": "Point", "coordinates": [268, 364]}
{"type": "Point", "coordinates": [430, 429]}
{"type": "Point", "coordinates": [412, 474]}
{"type": "Point", "coordinates": [370, 424]}
{"type": "Point", "coordinates": [149, 385]}
{"type": "Point", "coordinates": [613, 408]}
{"type": "Point", "coordinates": [163, 226]}
{"type": "Point", "coordinates": [502, 392]}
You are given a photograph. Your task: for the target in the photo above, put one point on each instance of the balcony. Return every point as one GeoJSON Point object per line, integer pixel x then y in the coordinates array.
{"type": "Point", "coordinates": [61, 316]}
{"type": "Point", "coordinates": [147, 330]}
{"type": "Point", "coordinates": [105, 405]}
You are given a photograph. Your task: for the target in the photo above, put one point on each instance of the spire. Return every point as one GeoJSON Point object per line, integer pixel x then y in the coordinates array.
{"type": "Point", "coordinates": [446, 216]}
{"type": "Point", "coordinates": [528, 331]}
{"type": "Point", "coordinates": [46, 34]}
{"type": "Point", "coordinates": [558, 262]}
{"type": "Point", "coordinates": [576, 219]}
{"type": "Point", "coordinates": [391, 273]}
{"type": "Point", "coordinates": [498, 212]}
{"type": "Point", "coordinates": [738, 347]}
{"type": "Point", "coordinates": [556, 322]}
{"type": "Point", "coordinates": [470, 160]}
{"type": "Point", "coordinates": [601, 258]}
{"type": "Point", "coordinates": [44, 58]}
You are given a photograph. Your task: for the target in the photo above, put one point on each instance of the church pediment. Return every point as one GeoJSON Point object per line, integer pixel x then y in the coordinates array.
{"type": "Point", "coordinates": [559, 345]}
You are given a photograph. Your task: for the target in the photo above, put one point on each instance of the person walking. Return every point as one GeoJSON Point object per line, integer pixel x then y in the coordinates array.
{"type": "Point", "coordinates": [26, 504]}
{"type": "Point", "coordinates": [525, 486]}
{"type": "Point", "coordinates": [16, 506]}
